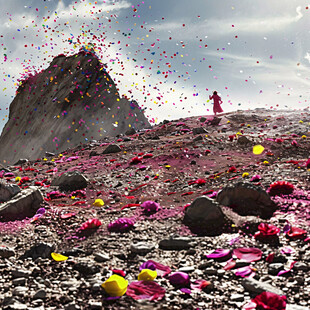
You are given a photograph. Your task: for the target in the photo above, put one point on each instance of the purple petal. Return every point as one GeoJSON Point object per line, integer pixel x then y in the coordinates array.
{"type": "Point", "coordinates": [179, 279]}
{"type": "Point", "coordinates": [185, 290]}
{"type": "Point", "coordinates": [161, 269]}
{"type": "Point", "coordinates": [219, 253]}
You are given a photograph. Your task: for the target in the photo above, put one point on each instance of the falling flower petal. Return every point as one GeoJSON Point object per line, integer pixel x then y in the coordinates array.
{"type": "Point", "coordinates": [149, 290]}
{"type": "Point", "coordinates": [248, 254]}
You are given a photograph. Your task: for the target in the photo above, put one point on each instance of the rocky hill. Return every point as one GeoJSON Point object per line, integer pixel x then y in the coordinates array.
{"type": "Point", "coordinates": [72, 101]}
{"type": "Point", "coordinates": [224, 225]}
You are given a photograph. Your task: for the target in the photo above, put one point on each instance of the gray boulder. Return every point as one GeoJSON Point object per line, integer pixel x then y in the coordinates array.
{"type": "Point", "coordinates": [112, 148]}
{"type": "Point", "coordinates": [243, 140]}
{"type": "Point", "coordinates": [43, 250]}
{"type": "Point", "coordinates": [70, 181]}
{"type": "Point", "coordinates": [257, 287]}
{"type": "Point", "coordinates": [7, 191]}
{"type": "Point", "coordinates": [247, 199]}
{"type": "Point", "coordinates": [130, 132]}
{"type": "Point", "coordinates": [199, 130]}
{"type": "Point", "coordinates": [205, 213]}
{"type": "Point", "coordinates": [24, 204]}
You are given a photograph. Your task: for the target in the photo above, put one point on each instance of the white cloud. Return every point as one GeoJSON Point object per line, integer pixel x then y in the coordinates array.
{"type": "Point", "coordinates": [215, 27]}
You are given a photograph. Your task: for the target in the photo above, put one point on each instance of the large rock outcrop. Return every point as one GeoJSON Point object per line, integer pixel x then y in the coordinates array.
{"type": "Point", "coordinates": [72, 101]}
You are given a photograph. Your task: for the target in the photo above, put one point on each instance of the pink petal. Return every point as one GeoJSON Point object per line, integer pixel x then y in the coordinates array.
{"type": "Point", "coordinates": [248, 254]}
{"type": "Point", "coordinates": [145, 290]}
{"type": "Point", "coordinates": [245, 272]}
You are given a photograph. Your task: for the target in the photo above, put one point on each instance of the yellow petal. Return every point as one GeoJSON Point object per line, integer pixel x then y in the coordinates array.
{"type": "Point", "coordinates": [58, 257]}
{"type": "Point", "coordinates": [147, 275]}
{"type": "Point", "coordinates": [258, 149]}
{"type": "Point", "coordinates": [98, 203]}
{"type": "Point", "coordinates": [115, 285]}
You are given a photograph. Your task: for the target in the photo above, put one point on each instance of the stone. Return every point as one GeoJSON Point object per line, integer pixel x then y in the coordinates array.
{"type": "Point", "coordinates": [274, 269]}
{"type": "Point", "coordinates": [141, 247]}
{"type": "Point", "coordinates": [187, 269]}
{"type": "Point", "coordinates": [257, 287]}
{"type": "Point", "coordinates": [7, 191]}
{"type": "Point", "coordinates": [204, 214]}
{"type": "Point", "coordinates": [21, 161]}
{"type": "Point", "coordinates": [93, 153]}
{"type": "Point", "coordinates": [86, 268]}
{"type": "Point", "coordinates": [19, 281]}
{"type": "Point", "coordinates": [17, 306]}
{"type": "Point", "coordinates": [40, 294]}
{"type": "Point", "coordinates": [175, 243]}
{"type": "Point", "coordinates": [19, 291]}
{"type": "Point", "coordinates": [296, 307]}
{"type": "Point", "coordinates": [130, 132]}
{"type": "Point", "coordinates": [20, 273]}
{"type": "Point", "coordinates": [297, 266]}
{"type": "Point", "coordinates": [243, 140]}
{"type": "Point", "coordinates": [199, 130]}
{"type": "Point", "coordinates": [198, 138]}
{"type": "Point", "coordinates": [22, 205]}
{"type": "Point", "coordinates": [111, 149]}
{"type": "Point", "coordinates": [70, 181]}
{"type": "Point", "coordinates": [6, 252]}
{"type": "Point", "coordinates": [101, 257]}
{"type": "Point", "coordinates": [42, 250]}
{"type": "Point", "coordinates": [237, 297]}
{"type": "Point", "coordinates": [247, 199]}
{"type": "Point", "coordinates": [49, 154]}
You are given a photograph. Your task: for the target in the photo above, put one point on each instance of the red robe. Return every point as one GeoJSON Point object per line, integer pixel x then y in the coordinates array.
{"type": "Point", "coordinates": [216, 106]}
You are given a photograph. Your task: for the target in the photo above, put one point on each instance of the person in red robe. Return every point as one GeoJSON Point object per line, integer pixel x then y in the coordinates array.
{"type": "Point", "coordinates": [216, 103]}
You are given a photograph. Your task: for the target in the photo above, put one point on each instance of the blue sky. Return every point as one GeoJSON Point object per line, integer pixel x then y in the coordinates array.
{"type": "Point", "coordinates": [169, 55]}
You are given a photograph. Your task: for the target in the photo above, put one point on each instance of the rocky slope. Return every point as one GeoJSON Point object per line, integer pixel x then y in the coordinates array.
{"type": "Point", "coordinates": [72, 101]}
{"type": "Point", "coordinates": [209, 193]}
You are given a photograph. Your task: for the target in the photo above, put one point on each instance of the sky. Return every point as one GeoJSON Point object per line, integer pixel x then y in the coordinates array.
{"type": "Point", "coordinates": [168, 55]}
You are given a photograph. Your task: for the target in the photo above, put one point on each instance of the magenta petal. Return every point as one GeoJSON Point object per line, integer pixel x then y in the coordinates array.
{"type": "Point", "coordinates": [161, 269]}
{"type": "Point", "coordinates": [219, 253]}
{"type": "Point", "coordinates": [245, 272]}
{"type": "Point", "coordinates": [185, 290]}
{"type": "Point", "coordinates": [179, 279]}
{"type": "Point", "coordinates": [145, 290]}
{"type": "Point", "coordinates": [248, 254]}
